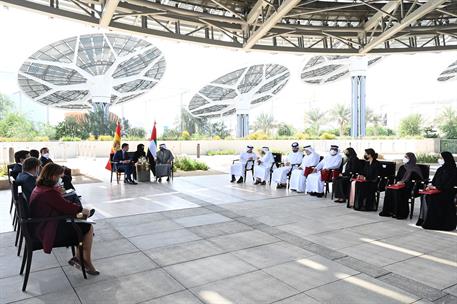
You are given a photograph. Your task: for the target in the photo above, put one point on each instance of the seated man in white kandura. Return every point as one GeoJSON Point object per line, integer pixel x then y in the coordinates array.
{"type": "Point", "coordinates": [263, 166]}
{"type": "Point", "coordinates": [298, 177]}
{"type": "Point", "coordinates": [293, 160]}
{"type": "Point", "coordinates": [238, 169]}
{"type": "Point", "coordinates": [314, 183]}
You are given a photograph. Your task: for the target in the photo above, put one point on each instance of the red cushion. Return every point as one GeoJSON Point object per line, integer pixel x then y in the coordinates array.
{"type": "Point", "coordinates": [308, 171]}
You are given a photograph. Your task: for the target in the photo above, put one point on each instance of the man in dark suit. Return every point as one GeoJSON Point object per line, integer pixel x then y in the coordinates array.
{"type": "Point", "coordinates": [124, 163]}
{"type": "Point", "coordinates": [19, 158]}
{"type": "Point", "coordinates": [67, 178]}
{"type": "Point", "coordinates": [27, 178]}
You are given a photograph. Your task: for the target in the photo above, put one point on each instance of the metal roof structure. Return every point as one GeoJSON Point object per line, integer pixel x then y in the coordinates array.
{"type": "Point", "coordinates": [78, 71]}
{"type": "Point", "coordinates": [239, 90]}
{"type": "Point", "coordinates": [324, 69]}
{"type": "Point", "coordinates": [359, 26]}
{"type": "Point", "coordinates": [449, 73]}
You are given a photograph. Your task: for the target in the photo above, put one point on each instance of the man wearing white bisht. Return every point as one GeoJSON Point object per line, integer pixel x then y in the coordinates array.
{"type": "Point", "coordinates": [238, 169]}
{"type": "Point", "coordinates": [263, 166]}
{"type": "Point", "coordinates": [298, 178]}
{"type": "Point", "coordinates": [293, 160]}
{"type": "Point", "coordinates": [314, 183]}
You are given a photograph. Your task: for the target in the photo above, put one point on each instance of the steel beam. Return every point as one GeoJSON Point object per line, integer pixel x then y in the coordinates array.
{"type": "Point", "coordinates": [409, 19]}
{"type": "Point", "coordinates": [255, 12]}
{"type": "Point", "coordinates": [285, 7]}
{"type": "Point", "coordinates": [108, 12]}
{"type": "Point", "coordinates": [387, 8]}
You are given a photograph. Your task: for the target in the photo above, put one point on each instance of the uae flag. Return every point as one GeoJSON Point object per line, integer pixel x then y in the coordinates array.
{"type": "Point", "coordinates": [153, 141]}
{"type": "Point", "coordinates": [116, 144]}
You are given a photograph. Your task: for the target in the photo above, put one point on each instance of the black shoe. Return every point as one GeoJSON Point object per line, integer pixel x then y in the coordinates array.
{"type": "Point", "coordinates": [133, 182]}
{"type": "Point", "coordinates": [256, 182]}
{"type": "Point", "coordinates": [233, 179]}
{"type": "Point", "coordinates": [320, 194]}
{"type": "Point", "coordinates": [263, 183]}
{"type": "Point", "coordinates": [91, 212]}
{"type": "Point", "coordinates": [160, 180]}
{"type": "Point", "coordinates": [168, 179]}
{"type": "Point", "coordinates": [240, 181]}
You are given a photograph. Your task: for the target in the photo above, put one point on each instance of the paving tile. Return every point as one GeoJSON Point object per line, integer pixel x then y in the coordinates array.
{"type": "Point", "coordinates": [245, 289]}
{"type": "Point", "coordinates": [112, 267]}
{"type": "Point", "coordinates": [106, 234]}
{"type": "Point", "coordinates": [242, 240]}
{"type": "Point", "coordinates": [375, 254]}
{"type": "Point", "coordinates": [449, 299]}
{"type": "Point", "coordinates": [271, 254]}
{"type": "Point", "coordinates": [268, 229]}
{"type": "Point", "coordinates": [148, 228]}
{"type": "Point", "coordinates": [360, 289]}
{"type": "Point", "coordinates": [163, 239]}
{"type": "Point", "coordinates": [336, 239]}
{"type": "Point", "coordinates": [182, 297]}
{"type": "Point", "coordinates": [184, 252]}
{"type": "Point", "coordinates": [7, 239]}
{"type": "Point", "coordinates": [130, 289]}
{"type": "Point", "coordinates": [309, 272]}
{"type": "Point", "coordinates": [369, 269]}
{"type": "Point", "coordinates": [11, 264]}
{"type": "Point", "coordinates": [293, 239]}
{"type": "Point", "coordinates": [136, 219]}
{"type": "Point", "coordinates": [40, 283]}
{"type": "Point", "coordinates": [298, 299]}
{"type": "Point", "coordinates": [62, 297]}
{"type": "Point", "coordinates": [186, 212]}
{"type": "Point", "coordinates": [200, 220]}
{"type": "Point", "coordinates": [205, 270]}
{"type": "Point", "coordinates": [414, 287]}
{"type": "Point", "coordinates": [452, 290]}
{"type": "Point", "coordinates": [214, 230]}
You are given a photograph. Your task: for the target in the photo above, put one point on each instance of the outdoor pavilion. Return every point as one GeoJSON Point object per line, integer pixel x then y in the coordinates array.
{"type": "Point", "coordinates": [202, 240]}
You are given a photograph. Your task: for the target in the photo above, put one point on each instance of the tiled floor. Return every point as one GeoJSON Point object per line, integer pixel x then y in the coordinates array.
{"type": "Point", "coordinates": [204, 240]}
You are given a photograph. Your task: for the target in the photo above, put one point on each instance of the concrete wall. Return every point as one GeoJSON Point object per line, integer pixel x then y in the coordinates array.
{"type": "Point", "coordinates": [64, 150]}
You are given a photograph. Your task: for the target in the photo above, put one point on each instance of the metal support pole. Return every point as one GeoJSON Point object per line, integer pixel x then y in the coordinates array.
{"type": "Point", "coordinates": [242, 125]}
{"type": "Point", "coordinates": [358, 128]}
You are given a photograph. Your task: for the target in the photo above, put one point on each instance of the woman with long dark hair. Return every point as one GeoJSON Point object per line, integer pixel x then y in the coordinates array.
{"type": "Point", "coordinates": [367, 183]}
{"type": "Point", "coordinates": [438, 208]}
{"type": "Point", "coordinates": [47, 200]}
{"type": "Point", "coordinates": [342, 183]}
{"type": "Point", "coordinates": [396, 198]}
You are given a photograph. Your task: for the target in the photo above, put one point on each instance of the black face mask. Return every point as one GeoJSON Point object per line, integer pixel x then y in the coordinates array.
{"type": "Point", "coordinates": [365, 157]}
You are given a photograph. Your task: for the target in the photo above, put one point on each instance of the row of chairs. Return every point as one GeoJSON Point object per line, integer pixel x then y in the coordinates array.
{"type": "Point", "coordinates": [385, 178]}
{"type": "Point", "coordinates": [24, 225]}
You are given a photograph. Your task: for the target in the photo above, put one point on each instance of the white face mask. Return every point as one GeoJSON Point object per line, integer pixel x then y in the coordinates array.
{"type": "Point", "coordinates": [333, 152]}
{"type": "Point", "coordinates": [46, 155]}
{"type": "Point", "coordinates": [440, 161]}
{"type": "Point", "coordinates": [405, 160]}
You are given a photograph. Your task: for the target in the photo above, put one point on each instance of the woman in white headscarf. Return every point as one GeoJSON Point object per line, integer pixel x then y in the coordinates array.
{"type": "Point", "coordinates": [263, 166]}
{"type": "Point", "coordinates": [298, 178]}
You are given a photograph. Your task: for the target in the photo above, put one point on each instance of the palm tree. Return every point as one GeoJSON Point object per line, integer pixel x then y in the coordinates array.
{"type": "Point", "coordinates": [342, 114]}
{"type": "Point", "coordinates": [264, 123]}
{"type": "Point", "coordinates": [314, 118]}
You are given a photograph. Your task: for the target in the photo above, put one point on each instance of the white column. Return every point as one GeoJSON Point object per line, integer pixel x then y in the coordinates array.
{"type": "Point", "coordinates": [358, 69]}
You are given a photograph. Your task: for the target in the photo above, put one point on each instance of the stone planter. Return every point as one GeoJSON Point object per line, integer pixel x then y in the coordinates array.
{"type": "Point", "coordinates": [143, 174]}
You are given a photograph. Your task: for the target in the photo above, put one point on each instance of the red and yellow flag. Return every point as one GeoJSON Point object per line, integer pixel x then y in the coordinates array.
{"type": "Point", "coordinates": [116, 144]}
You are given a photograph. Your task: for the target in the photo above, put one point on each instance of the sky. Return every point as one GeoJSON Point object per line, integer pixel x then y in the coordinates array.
{"type": "Point", "coordinates": [397, 85]}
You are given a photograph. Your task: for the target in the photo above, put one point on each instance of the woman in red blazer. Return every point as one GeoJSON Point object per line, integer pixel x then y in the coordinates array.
{"type": "Point", "coordinates": [47, 201]}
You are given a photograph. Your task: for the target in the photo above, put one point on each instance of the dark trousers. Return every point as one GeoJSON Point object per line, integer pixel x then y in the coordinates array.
{"type": "Point", "coordinates": [127, 169]}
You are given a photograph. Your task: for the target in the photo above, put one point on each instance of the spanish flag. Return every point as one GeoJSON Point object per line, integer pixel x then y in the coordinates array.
{"type": "Point", "coordinates": [116, 145]}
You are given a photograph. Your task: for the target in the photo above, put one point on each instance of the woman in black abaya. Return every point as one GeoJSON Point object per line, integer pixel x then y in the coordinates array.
{"type": "Point", "coordinates": [342, 183]}
{"type": "Point", "coordinates": [396, 200]}
{"type": "Point", "coordinates": [438, 210]}
{"type": "Point", "coordinates": [365, 188]}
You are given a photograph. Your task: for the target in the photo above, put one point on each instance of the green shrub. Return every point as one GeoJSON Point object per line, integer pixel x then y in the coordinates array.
{"type": "Point", "coordinates": [69, 138]}
{"type": "Point", "coordinates": [259, 135]}
{"type": "Point", "coordinates": [285, 129]}
{"type": "Point", "coordinates": [327, 135]}
{"type": "Point", "coordinates": [3, 170]}
{"type": "Point", "coordinates": [427, 158]}
{"type": "Point", "coordinates": [411, 125]}
{"type": "Point", "coordinates": [221, 152]}
{"type": "Point", "coordinates": [301, 136]}
{"type": "Point", "coordinates": [184, 135]}
{"type": "Point", "coordinates": [40, 138]}
{"type": "Point", "coordinates": [105, 138]}
{"type": "Point", "coordinates": [188, 164]}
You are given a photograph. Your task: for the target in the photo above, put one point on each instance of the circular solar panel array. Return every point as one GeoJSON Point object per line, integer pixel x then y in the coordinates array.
{"type": "Point", "coordinates": [324, 69]}
{"type": "Point", "coordinates": [449, 73]}
{"type": "Point", "coordinates": [69, 73]}
{"type": "Point", "coordinates": [256, 84]}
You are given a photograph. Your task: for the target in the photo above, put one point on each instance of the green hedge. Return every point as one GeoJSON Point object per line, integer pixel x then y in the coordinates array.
{"type": "Point", "coordinates": [189, 164]}
{"type": "Point", "coordinates": [221, 152]}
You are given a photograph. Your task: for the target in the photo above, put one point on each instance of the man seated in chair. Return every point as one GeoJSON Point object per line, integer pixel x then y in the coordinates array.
{"type": "Point", "coordinates": [263, 166]}
{"type": "Point", "coordinates": [298, 175]}
{"type": "Point", "coordinates": [27, 178]}
{"type": "Point", "coordinates": [164, 159]}
{"type": "Point", "coordinates": [124, 164]}
{"type": "Point", "coordinates": [67, 178]}
{"type": "Point", "coordinates": [238, 169]}
{"type": "Point", "coordinates": [314, 182]}
{"type": "Point", "coordinates": [294, 160]}
{"type": "Point", "coordinates": [19, 158]}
